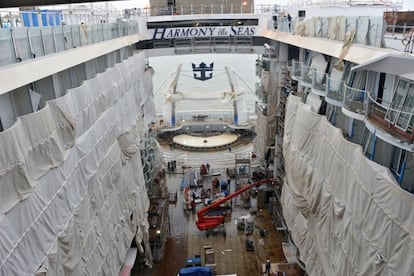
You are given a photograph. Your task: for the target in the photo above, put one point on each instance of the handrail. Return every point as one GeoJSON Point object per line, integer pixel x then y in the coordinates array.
{"type": "Point", "coordinates": [50, 18]}
{"type": "Point", "coordinates": [306, 73]}
{"type": "Point", "coordinates": [44, 17]}
{"type": "Point", "coordinates": [354, 94]}
{"type": "Point", "coordinates": [296, 68]}
{"type": "Point", "coordinates": [319, 80]}
{"type": "Point", "coordinates": [386, 108]}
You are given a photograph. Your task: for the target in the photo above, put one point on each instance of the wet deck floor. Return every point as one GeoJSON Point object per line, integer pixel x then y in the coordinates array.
{"type": "Point", "coordinates": [230, 255]}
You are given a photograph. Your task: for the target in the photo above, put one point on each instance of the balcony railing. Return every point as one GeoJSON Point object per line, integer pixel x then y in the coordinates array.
{"type": "Point", "coordinates": [354, 99]}
{"type": "Point", "coordinates": [200, 9]}
{"type": "Point", "coordinates": [306, 75]}
{"type": "Point", "coordinates": [319, 80]}
{"type": "Point", "coordinates": [50, 18]}
{"type": "Point", "coordinates": [334, 90]}
{"type": "Point", "coordinates": [261, 93]}
{"type": "Point", "coordinates": [377, 112]}
{"type": "Point", "coordinates": [228, 8]}
{"type": "Point", "coordinates": [296, 73]}
{"type": "Point", "coordinates": [31, 34]}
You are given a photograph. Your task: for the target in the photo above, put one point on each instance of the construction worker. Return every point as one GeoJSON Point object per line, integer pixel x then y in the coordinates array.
{"type": "Point", "coordinates": [267, 271]}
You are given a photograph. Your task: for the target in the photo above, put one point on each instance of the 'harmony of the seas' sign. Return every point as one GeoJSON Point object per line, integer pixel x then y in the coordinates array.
{"type": "Point", "coordinates": [190, 32]}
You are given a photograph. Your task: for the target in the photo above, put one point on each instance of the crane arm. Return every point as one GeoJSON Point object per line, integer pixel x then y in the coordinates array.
{"type": "Point", "coordinates": [207, 222]}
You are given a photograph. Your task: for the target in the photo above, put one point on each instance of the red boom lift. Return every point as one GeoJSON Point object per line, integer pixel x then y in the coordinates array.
{"type": "Point", "coordinates": [204, 222]}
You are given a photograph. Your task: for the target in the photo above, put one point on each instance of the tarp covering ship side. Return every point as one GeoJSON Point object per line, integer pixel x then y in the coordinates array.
{"type": "Point", "coordinates": [347, 215]}
{"type": "Point", "coordinates": [72, 193]}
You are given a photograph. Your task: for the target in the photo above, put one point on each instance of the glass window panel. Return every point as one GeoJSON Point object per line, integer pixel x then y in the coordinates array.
{"type": "Point", "coordinates": [404, 120]}
{"type": "Point", "coordinates": [399, 94]}
{"type": "Point", "coordinates": [396, 156]}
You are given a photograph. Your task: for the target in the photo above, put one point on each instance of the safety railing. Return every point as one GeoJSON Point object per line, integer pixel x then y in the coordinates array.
{"type": "Point", "coordinates": [354, 99]}
{"type": "Point", "coordinates": [261, 93]}
{"type": "Point", "coordinates": [319, 80]}
{"type": "Point", "coordinates": [334, 90]}
{"type": "Point", "coordinates": [306, 75]}
{"type": "Point", "coordinates": [50, 18]}
{"type": "Point", "coordinates": [35, 34]}
{"type": "Point", "coordinates": [295, 70]}
{"type": "Point", "coordinates": [224, 8]}
{"type": "Point", "coordinates": [200, 9]}
{"type": "Point", "coordinates": [380, 111]}
{"type": "Point", "coordinates": [183, 117]}
{"type": "Point", "coordinates": [400, 29]}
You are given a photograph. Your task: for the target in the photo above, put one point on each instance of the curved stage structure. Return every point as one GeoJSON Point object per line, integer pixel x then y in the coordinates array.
{"type": "Point", "coordinates": [205, 136]}
{"type": "Point", "coordinates": [210, 142]}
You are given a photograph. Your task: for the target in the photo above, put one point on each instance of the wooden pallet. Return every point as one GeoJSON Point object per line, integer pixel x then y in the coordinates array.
{"type": "Point", "coordinates": [209, 258]}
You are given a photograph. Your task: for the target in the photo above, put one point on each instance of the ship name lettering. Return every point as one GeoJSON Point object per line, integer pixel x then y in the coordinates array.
{"type": "Point", "coordinates": [242, 31]}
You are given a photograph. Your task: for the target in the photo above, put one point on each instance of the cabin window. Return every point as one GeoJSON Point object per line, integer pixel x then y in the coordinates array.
{"type": "Point", "coordinates": [368, 141]}
{"type": "Point", "coordinates": [398, 162]}
{"type": "Point", "coordinates": [401, 109]}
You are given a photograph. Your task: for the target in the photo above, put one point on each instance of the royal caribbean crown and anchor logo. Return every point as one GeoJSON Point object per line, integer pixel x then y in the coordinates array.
{"type": "Point", "coordinates": [200, 71]}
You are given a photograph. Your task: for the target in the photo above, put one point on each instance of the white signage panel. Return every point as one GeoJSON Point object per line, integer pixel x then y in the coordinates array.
{"type": "Point", "coordinates": [207, 31]}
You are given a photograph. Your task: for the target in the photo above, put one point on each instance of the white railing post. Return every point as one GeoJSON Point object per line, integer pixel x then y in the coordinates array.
{"type": "Point", "coordinates": [13, 24]}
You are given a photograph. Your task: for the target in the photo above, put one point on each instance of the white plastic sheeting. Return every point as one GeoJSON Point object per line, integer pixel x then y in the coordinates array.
{"type": "Point", "coordinates": [314, 101]}
{"type": "Point", "coordinates": [346, 214]}
{"type": "Point", "coordinates": [72, 189]}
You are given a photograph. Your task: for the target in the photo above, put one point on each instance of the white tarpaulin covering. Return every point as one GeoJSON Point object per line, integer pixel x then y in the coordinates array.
{"type": "Point", "coordinates": [346, 214]}
{"type": "Point", "coordinates": [72, 189]}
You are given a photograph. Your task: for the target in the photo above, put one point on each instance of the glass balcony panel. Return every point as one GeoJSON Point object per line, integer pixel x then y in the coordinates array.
{"type": "Point", "coordinates": [319, 81]}
{"type": "Point", "coordinates": [398, 97]}
{"type": "Point", "coordinates": [334, 89]}
{"type": "Point", "coordinates": [306, 74]}
{"type": "Point", "coordinates": [354, 99]}
{"type": "Point", "coordinates": [295, 69]}
{"type": "Point", "coordinates": [405, 117]}
{"type": "Point", "coordinates": [261, 93]}
{"type": "Point", "coordinates": [377, 108]}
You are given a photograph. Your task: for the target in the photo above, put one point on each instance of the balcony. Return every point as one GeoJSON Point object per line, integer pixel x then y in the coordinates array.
{"type": "Point", "coordinates": [334, 92]}
{"type": "Point", "coordinates": [383, 119]}
{"type": "Point", "coordinates": [319, 81]}
{"type": "Point", "coordinates": [306, 75]}
{"type": "Point", "coordinates": [261, 93]}
{"type": "Point", "coordinates": [354, 102]}
{"type": "Point", "coordinates": [295, 70]}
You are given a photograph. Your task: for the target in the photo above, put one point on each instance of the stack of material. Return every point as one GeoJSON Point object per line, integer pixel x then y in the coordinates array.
{"type": "Point", "coordinates": [209, 256]}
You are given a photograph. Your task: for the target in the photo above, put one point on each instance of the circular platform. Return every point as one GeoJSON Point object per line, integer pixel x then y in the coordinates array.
{"type": "Point", "coordinates": [215, 141]}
